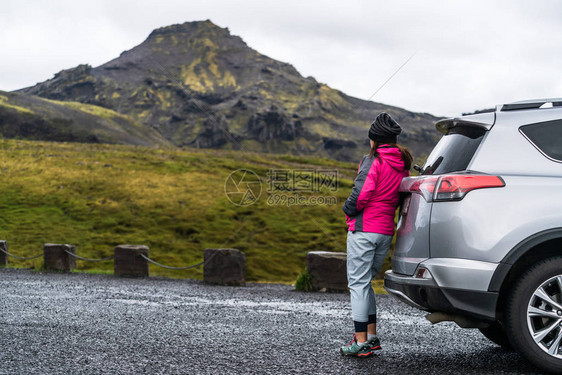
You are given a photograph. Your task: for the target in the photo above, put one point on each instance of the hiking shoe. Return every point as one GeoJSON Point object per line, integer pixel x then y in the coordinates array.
{"type": "Point", "coordinates": [374, 343]}
{"type": "Point", "coordinates": [356, 350]}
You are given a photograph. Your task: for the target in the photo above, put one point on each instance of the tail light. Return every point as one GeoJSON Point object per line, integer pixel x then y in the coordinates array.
{"type": "Point", "coordinates": [424, 186]}
{"type": "Point", "coordinates": [455, 187]}
{"type": "Point", "coordinates": [452, 187]}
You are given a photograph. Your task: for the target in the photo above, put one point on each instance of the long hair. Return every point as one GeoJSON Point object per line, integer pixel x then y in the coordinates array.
{"type": "Point", "coordinates": [407, 157]}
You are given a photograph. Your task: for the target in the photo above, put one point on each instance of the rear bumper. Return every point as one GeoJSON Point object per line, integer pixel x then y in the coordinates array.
{"type": "Point", "coordinates": [426, 295]}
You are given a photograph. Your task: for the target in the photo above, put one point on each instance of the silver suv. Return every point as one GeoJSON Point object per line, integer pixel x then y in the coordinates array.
{"type": "Point", "coordinates": [479, 237]}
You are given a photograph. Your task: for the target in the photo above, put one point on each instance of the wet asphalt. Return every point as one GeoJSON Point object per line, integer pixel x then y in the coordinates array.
{"type": "Point", "coordinates": [99, 324]}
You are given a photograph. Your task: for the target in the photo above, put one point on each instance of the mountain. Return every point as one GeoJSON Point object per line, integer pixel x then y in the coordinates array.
{"type": "Point", "coordinates": [197, 85]}
{"type": "Point", "coordinates": [34, 118]}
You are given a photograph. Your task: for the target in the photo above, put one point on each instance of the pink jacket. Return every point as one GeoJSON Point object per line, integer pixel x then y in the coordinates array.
{"type": "Point", "coordinates": [372, 204]}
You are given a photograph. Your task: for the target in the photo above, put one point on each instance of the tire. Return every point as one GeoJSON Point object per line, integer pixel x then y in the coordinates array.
{"type": "Point", "coordinates": [497, 335]}
{"type": "Point", "coordinates": [534, 307]}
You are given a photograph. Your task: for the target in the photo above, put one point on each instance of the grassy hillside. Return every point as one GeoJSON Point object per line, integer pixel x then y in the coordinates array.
{"type": "Point", "coordinates": [97, 196]}
{"type": "Point", "coordinates": [33, 118]}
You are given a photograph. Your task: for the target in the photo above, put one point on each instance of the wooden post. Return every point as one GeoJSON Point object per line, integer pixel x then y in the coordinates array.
{"type": "Point", "coordinates": [328, 270]}
{"type": "Point", "coordinates": [56, 258]}
{"type": "Point", "coordinates": [128, 261]}
{"type": "Point", "coordinates": [3, 255]}
{"type": "Point", "coordinates": [224, 267]}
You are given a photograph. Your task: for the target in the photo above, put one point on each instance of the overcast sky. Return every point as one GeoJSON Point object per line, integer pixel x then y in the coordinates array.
{"type": "Point", "coordinates": [468, 54]}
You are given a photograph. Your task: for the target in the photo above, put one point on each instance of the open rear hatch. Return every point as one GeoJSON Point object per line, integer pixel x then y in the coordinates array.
{"type": "Point", "coordinates": [453, 153]}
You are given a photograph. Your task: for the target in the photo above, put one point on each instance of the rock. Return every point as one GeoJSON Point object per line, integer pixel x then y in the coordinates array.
{"type": "Point", "coordinates": [336, 144]}
{"type": "Point", "coordinates": [224, 267]}
{"type": "Point", "coordinates": [215, 134]}
{"type": "Point", "coordinates": [273, 125]}
{"type": "Point", "coordinates": [328, 270]}
{"type": "Point", "coordinates": [56, 257]}
{"type": "Point", "coordinates": [128, 261]}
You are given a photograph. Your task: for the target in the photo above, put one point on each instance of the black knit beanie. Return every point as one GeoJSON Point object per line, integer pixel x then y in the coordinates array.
{"type": "Point", "coordinates": [384, 129]}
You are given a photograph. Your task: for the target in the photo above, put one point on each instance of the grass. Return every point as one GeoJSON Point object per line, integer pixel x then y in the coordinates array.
{"type": "Point", "coordinates": [99, 196]}
{"type": "Point", "coordinates": [304, 282]}
{"type": "Point", "coordinates": [378, 286]}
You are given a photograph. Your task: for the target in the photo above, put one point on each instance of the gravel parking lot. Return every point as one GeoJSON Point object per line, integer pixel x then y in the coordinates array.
{"type": "Point", "coordinates": [92, 324]}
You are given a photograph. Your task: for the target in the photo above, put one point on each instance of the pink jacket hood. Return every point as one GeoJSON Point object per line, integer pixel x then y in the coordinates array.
{"type": "Point", "coordinates": [393, 156]}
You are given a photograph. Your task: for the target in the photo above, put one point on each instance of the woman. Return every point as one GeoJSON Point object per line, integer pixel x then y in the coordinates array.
{"type": "Point", "coordinates": [370, 211]}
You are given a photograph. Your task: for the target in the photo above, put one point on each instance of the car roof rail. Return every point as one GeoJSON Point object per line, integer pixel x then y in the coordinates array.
{"type": "Point", "coordinates": [531, 104]}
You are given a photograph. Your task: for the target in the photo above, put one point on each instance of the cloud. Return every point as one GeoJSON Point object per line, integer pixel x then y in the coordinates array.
{"type": "Point", "coordinates": [470, 55]}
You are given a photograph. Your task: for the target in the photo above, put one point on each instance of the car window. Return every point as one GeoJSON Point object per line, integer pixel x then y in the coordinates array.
{"type": "Point", "coordinates": [454, 151]}
{"type": "Point", "coordinates": [546, 136]}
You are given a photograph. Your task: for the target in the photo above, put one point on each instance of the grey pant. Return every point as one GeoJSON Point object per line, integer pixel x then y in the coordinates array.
{"type": "Point", "coordinates": [365, 255]}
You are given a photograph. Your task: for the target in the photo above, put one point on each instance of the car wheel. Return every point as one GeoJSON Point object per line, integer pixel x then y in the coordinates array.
{"type": "Point", "coordinates": [496, 334]}
{"type": "Point", "coordinates": [534, 315]}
